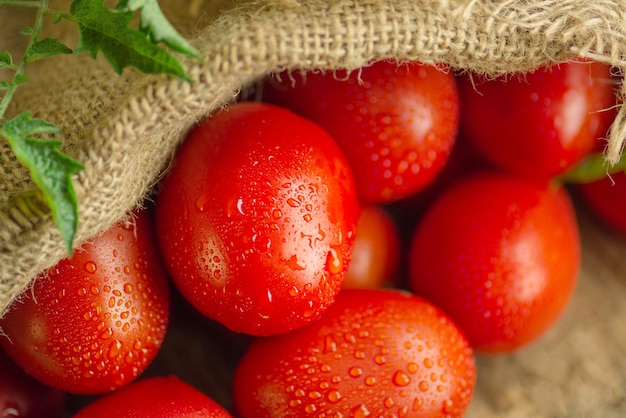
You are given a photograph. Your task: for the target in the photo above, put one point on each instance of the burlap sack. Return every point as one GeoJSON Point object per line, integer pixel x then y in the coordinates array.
{"type": "Point", "coordinates": [126, 129]}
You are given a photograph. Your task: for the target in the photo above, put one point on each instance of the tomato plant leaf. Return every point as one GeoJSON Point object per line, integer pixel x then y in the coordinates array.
{"type": "Point", "coordinates": [50, 169]}
{"type": "Point", "coordinates": [106, 30]}
{"type": "Point", "coordinates": [45, 48]}
{"type": "Point", "coordinates": [154, 24]}
{"type": "Point", "coordinates": [6, 60]}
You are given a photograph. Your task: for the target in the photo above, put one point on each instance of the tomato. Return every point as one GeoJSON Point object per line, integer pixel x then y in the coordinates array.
{"type": "Point", "coordinates": [500, 254]}
{"type": "Point", "coordinates": [92, 323]}
{"type": "Point", "coordinates": [23, 396]}
{"type": "Point", "coordinates": [396, 123]}
{"type": "Point", "coordinates": [376, 253]}
{"type": "Point", "coordinates": [256, 220]}
{"type": "Point", "coordinates": [382, 353]}
{"type": "Point", "coordinates": [606, 198]}
{"type": "Point", "coordinates": [155, 397]}
{"type": "Point", "coordinates": [541, 123]}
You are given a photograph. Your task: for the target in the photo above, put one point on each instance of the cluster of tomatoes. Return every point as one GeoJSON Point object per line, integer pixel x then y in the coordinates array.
{"type": "Point", "coordinates": [370, 231]}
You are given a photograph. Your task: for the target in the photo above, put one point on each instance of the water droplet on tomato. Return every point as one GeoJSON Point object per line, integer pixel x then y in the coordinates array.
{"type": "Point", "coordinates": [400, 378]}
{"type": "Point", "coordinates": [355, 371]}
{"type": "Point", "coordinates": [423, 386]}
{"type": "Point", "coordinates": [370, 380]}
{"type": "Point", "coordinates": [334, 262]}
{"type": "Point", "coordinates": [333, 396]}
{"type": "Point", "coordinates": [114, 348]}
{"type": "Point", "coordinates": [202, 203]}
{"type": "Point", "coordinates": [360, 411]}
{"type": "Point", "coordinates": [90, 267]}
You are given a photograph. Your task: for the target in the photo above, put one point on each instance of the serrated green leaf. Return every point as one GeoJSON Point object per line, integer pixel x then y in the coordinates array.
{"type": "Point", "coordinates": [50, 169]}
{"type": "Point", "coordinates": [6, 60]}
{"type": "Point", "coordinates": [45, 48]}
{"type": "Point", "coordinates": [107, 31]}
{"type": "Point", "coordinates": [153, 23]}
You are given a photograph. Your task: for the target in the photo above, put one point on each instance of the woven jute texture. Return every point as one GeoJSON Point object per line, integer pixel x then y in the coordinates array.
{"type": "Point", "coordinates": [125, 130]}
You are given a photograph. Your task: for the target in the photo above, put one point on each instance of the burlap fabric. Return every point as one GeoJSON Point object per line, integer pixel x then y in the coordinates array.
{"type": "Point", "coordinates": [125, 129]}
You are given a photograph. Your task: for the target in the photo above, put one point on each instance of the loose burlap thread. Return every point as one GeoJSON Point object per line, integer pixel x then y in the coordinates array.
{"type": "Point", "coordinates": [125, 130]}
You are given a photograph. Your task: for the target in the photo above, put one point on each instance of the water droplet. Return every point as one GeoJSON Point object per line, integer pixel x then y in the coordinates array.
{"type": "Point", "coordinates": [370, 380]}
{"type": "Point", "coordinates": [90, 267]}
{"type": "Point", "coordinates": [359, 355]}
{"type": "Point", "coordinates": [315, 395]}
{"type": "Point", "coordinates": [355, 371]}
{"type": "Point", "coordinates": [108, 333]}
{"type": "Point", "coordinates": [128, 288]}
{"type": "Point", "coordinates": [329, 344]}
{"type": "Point", "coordinates": [114, 348]}
{"type": "Point", "coordinates": [334, 263]}
{"type": "Point", "coordinates": [400, 378]}
{"type": "Point", "coordinates": [293, 202]}
{"type": "Point", "coordinates": [423, 386]}
{"type": "Point", "coordinates": [428, 363]}
{"type": "Point", "coordinates": [380, 359]}
{"type": "Point", "coordinates": [360, 411]}
{"type": "Point", "coordinates": [202, 203]}
{"type": "Point", "coordinates": [412, 368]}
{"type": "Point", "coordinates": [310, 408]}
{"type": "Point", "coordinates": [333, 396]}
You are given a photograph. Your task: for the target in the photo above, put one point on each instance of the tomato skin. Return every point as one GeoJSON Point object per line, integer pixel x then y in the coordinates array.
{"type": "Point", "coordinates": [257, 219]}
{"type": "Point", "coordinates": [500, 254]}
{"type": "Point", "coordinates": [155, 397]}
{"type": "Point", "coordinates": [539, 124]}
{"type": "Point", "coordinates": [382, 352]}
{"type": "Point", "coordinates": [92, 323]}
{"type": "Point", "coordinates": [396, 124]}
{"type": "Point", "coordinates": [23, 396]}
{"type": "Point", "coordinates": [376, 253]}
{"type": "Point", "coordinates": [606, 198]}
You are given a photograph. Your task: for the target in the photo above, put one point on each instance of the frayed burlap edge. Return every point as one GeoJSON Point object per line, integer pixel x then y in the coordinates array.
{"type": "Point", "coordinates": [126, 129]}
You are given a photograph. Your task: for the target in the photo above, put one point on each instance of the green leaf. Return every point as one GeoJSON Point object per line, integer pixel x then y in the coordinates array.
{"type": "Point", "coordinates": [6, 60]}
{"type": "Point", "coordinates": [50, 169]}
{"type": "Point", "coordinates": [28, 31]}
{"type": "Point", "coordinates": [107, 31]}
{"type": "Point", "coordinates": [153, 23]}
{"type": "Point", "coordinates": [45, 48]}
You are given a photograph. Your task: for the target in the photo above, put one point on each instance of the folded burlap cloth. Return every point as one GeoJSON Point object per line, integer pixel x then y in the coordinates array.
{"type": "Point", "coordinates": [125, 129]}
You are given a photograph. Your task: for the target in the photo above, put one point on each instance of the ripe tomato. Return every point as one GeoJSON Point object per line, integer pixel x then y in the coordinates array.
{"type": "Point", "coordinates": [155, 397]}
{"type": "Point", "coordinates": [500, 254]}
{"type": "Point", "coordinates": [541, 123]}
{"type": "Point", "coordinates": [93, 322]}
{"type": "Point", "coordinates": [606, 198]}
{"type": "Point", "coordinates": [380, 353]}
{"type": "Point", "coordinates": [256, 220]}
{"type": "Point", "coordinates": [395, 123]}
{"type": "Point", "coordinates": [23, 396]}
{"type": "Point", "coordinates": [376, 253]}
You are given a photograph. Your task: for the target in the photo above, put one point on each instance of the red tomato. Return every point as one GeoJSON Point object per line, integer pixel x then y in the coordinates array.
{"type": "Point", "coordinates": [23, 396]}
{"type": "Point", "coordinates": [380, 353]}
{"type": "Point", "coordinates": [256, 220]}
{"type": "Point", "coordinates": [376, 253]}
{"type": "Point", "coordinates": [539, 124]}
{"type": "Point", "coordinates": [500, 254]}
{"type": "Point", "coordinates": [155, 397]}
{"type": "Point", "coordinates": [607, 200]}
{"type": "Point", "coordinates": [395, 123]}
{"type": "Point", "coordinates": [93, 322]}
